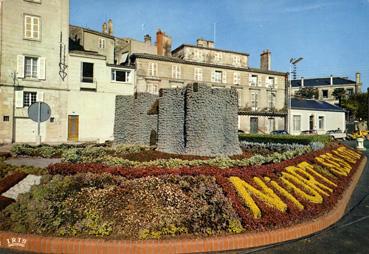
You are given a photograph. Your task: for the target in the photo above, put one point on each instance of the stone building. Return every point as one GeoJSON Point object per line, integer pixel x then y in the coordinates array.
{"type": "Point", "coordinates": [79, 72]}
{"type": "Point", "coordinates": [326, 86]}
{"type": "Point", "coordinates": [262, 92]}
{"type": "Point", "coordinates": [196, 119]}
{"type": "Point", "coordinates": [33, 63]}
{"type": "Point", "coordinates": [70, 68]}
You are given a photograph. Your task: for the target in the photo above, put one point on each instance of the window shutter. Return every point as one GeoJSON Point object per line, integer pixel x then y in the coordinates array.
{"type": "Point", "coordinates": [19, 99]}
{"type": "Point", "coordinates": [40, 97]}
{"type": "Point", "coordinates": [20, 66]}
{"type": "Point", "coordinates": [224, 77]}
{"type": "Point", "coordinates": [41, 68]}
{"type": "Point", "coordinates": [179, 72]}
{"type": "Point", "coordinates": [213, 76]}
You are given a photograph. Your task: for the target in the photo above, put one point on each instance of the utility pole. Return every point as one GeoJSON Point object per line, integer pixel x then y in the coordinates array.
{"type": "Point", "coordinates": [293, 62]}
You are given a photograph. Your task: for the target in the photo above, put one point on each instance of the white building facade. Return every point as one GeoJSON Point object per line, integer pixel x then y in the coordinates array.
{"type": "Point", "coordinates": [315, 116]}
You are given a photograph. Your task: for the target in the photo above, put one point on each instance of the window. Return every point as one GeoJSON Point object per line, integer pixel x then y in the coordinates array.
{"type": "Point", "coordinates": [6, 119]}
{"type": "Point", "coordinates": [88, 72]}
{"type": "Point", "coordinates": [236, 78]}
{"type": "Point", "coordinates": [30, 68]}
{"type": "Point", "coordinates": [120, 75]}
{"type": "Point", "coordinates": [199, 55]}
{"type": "Point", "coordinates": [350, 91]}
{"type": "Point", "coordinates": [236, 61]}
{"type": "Point", "coordinates": [176, 71]}
{"type": "Point", "coordinates": [325, 94]}
{"type": "Point", "coordinates": [296, 123]}
{"type": "Point", "coordinates": [218, 57]}
{"type": "Point", "coordinates": [271, 100]}
{"type": "Point", "coordinates": [198, 74]}
{"type": "Point", "coordinates": [271, 82]}
{"type": "Point", "coordinates": [254, 100]}
{"type": "Point", "coordinates": [152, 88]}
{"type": "Point", "coordinates": [321, 122]}
{"type": "Point", "coordinates": [216, 77]}
{"type": "Point", "coordinates": [153, 69]}
{"type": "Point", "coordinates": [32, 27]}
{"type": "Point", "coordinates": [271, 124]}
{"type": "Point", "coordinates": [254, 80]}
{"type": "Point", "coordinates": [29, 98]}
{"type": "Point", "coordinates": [101, 43]}
{"type": "Point", "coordinates": [239, 93]}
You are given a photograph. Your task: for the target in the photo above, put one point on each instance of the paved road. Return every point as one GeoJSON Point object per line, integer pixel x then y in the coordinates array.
{"type": "Point", "coordinates": [349, 236]}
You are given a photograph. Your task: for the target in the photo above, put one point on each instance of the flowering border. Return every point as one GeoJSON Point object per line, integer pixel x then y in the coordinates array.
{"type": "Point", "coordinates": [265, 209]}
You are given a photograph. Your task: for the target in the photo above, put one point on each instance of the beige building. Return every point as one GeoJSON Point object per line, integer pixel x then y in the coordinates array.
{"type": "Point", "coordinates": [326, 86]}
{"type": "Point", "coordinates": [80, 85]}
{"type": "Point", "coordinates": [79, 71]}
{"type": "Point", "coordinates": [262, 92]}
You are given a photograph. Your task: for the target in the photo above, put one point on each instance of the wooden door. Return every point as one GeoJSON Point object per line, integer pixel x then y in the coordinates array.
{"type": "Point", "coordinates": [73, 128]}
{"type": "Point", "coordinates": [254, 126]}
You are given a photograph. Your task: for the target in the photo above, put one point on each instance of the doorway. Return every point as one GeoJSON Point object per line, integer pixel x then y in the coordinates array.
{"type": "Point", "coordinates": [254, 125]}
{"type": "Point", "coordinates": [311, 122]}
{"type": "Point", "coordinates": [73, 128]}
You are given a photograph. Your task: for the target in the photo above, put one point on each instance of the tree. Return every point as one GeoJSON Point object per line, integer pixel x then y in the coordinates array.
{"type": "Point", "coordinates": [357, 105]}
{"type": "Point", "coordinates": [308, 93]}
{"type": "Point", "coordinates": [339, 93]}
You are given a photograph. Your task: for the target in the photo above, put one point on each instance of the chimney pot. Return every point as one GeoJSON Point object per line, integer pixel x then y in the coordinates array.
{"type": "Point", "coordinates": [266, 60]}
{"type": "Point", "coordinates": [302, 82]}
{"type": "Point", "coordinates": [331, 80]}
{"type": "Point", "coordinates": [147, 39]}
{"type": "Point", "coordinates": [105, 28]}
{"type": "Point", "coordinates": [110, 27]}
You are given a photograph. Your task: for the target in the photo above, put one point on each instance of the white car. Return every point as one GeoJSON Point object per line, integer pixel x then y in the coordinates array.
{"type": "Point", "coordinates": [337, 134]}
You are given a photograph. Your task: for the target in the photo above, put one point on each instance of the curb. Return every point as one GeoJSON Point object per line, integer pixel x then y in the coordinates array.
{"type": "Point", "coordinates": [41, 244]}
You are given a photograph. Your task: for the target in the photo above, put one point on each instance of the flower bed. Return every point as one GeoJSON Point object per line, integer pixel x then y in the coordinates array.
{"type": "Point", "coordinates": [156, 202]}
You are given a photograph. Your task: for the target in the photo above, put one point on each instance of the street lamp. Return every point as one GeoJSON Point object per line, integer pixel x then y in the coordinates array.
{"type": "Point", "coordinates": [293, 62]}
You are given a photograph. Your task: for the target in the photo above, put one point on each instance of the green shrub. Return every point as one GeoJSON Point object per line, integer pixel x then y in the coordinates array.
{"type": "Point", "coordinates": [290, 139]}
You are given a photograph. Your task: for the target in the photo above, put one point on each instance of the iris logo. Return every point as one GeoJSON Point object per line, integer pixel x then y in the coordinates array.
{"type": "Point", "coordinates": [16, 242]}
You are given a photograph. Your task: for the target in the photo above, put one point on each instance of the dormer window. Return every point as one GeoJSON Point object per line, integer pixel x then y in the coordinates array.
{"type": "Point", "coordinates": [101, 43]}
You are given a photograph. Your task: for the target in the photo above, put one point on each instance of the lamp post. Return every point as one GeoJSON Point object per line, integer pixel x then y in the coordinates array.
{"type": "Point", "coordinates": [293, 62]}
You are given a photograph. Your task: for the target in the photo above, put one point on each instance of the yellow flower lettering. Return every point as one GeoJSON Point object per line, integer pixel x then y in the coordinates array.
{"type": "Point", "coordinates": [267, 195]}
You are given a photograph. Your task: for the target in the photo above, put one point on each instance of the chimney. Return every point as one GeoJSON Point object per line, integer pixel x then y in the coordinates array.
{"type": "Point", "coordinates": [110, 27]}
{"type": "Point", "coordinates": [358, 82]}
{"type": "Point", "coordinates": [265, 60]}
{"type": "Point", "coordinates": [204, 43]}
{"type": "Point", "coordinates": [147, 39]}
{"type": "Point", "coordinates": [163, 44]}
{"type": "Point", "coordinates": [302, 81]}
{"type": "Point", "coordinates": [105, 28]}
{"type": "Point", "coordinates": [331, 80]}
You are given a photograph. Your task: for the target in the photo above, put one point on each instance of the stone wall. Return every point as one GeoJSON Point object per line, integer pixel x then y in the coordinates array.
{"type": "Point", "coordinates": [211, 121]}
{"type": "Point", "coordinates": [172, 121]}
{"type": "Point", "coordinates": [196, 120]}
{"type": "Point", "coordinates": [134, 124]}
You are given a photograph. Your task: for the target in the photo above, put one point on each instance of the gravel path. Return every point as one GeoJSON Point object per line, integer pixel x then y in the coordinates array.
{"type": "Point", "coordinates": [35, 162]}
{"type": "Point", "coordinates": [23, 186]}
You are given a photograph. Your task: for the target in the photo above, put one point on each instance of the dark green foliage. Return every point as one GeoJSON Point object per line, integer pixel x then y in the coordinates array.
{"type": "Point", "coordinates": [357, 104]}
{"type": "Point", "coordinates": [308, 93]}
{"type": "Point", "coordinates": [289, 139]}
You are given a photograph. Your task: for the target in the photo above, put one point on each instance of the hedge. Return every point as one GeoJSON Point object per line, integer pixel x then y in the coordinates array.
{"type": "Point", "coordinates": [285, 139]}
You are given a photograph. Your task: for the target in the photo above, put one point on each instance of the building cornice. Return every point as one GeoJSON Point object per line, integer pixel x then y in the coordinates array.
{"type": "Point", "coordinates": [182, 61]}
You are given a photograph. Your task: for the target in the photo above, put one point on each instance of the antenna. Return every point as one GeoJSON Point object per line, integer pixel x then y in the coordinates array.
{"type": "Point", "coordinates": [294, 62]}
{"type": "Point", "coordinates": [214, 32]}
